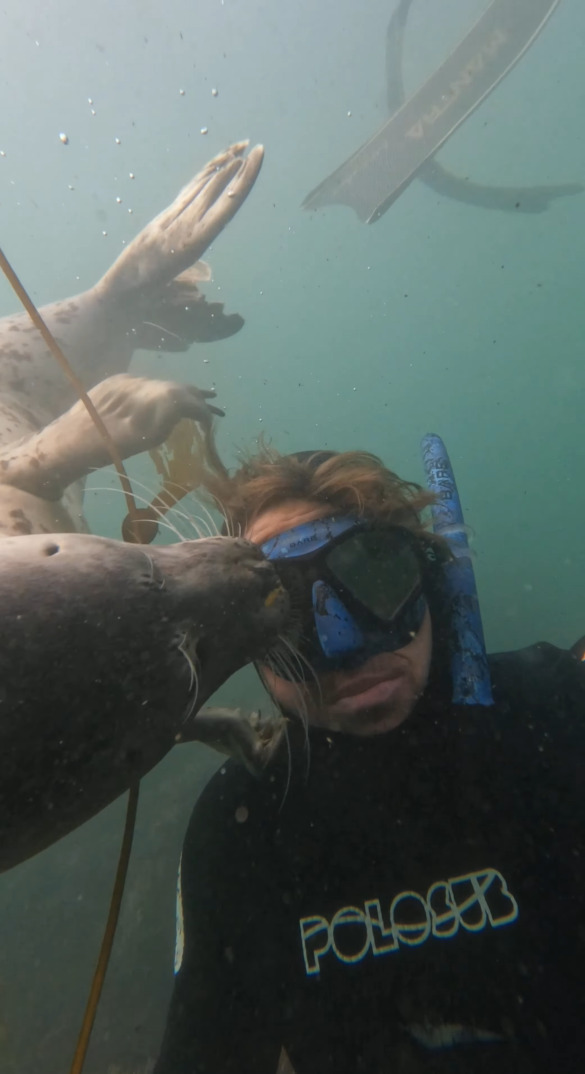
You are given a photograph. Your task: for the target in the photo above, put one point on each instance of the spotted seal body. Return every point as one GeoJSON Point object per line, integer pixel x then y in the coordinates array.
{"type": "Point", "coordinates": [148, 299]}
{"type": "Point", "coordinates": [106, 653]}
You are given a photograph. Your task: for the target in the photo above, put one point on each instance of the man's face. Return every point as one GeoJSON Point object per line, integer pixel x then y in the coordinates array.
{"type": "Point", "coordinates": [369, 700]}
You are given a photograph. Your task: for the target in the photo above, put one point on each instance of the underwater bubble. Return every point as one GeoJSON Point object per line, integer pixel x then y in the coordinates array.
{"type": "Point", "coordinates": [241, 814]}
{"type": "Point", "coordinates": [349, 114]}
{"type": "Point", "coordinates": [117, 141]}
{"type": "Point", "coordinates": [2, 153]}
{"type": "Point", "coordinates": [131, 175]}
{"type": "Point", "coordinates": [204, 130]}
{"type": "Point", "coordinates": [182, 92]}
{"type": "Point", "coordinates": [104, 233]}
{"type": "Point", "coordinates": [93, 111]}
{"type": "Point", "coordinates": [90, 100]}
{"type": "Point", "coordinates": [119, 201]}
{"type": "Point", "coordinates": [64, 138]}
{"type": "Point", "coordinates": [214, 93]}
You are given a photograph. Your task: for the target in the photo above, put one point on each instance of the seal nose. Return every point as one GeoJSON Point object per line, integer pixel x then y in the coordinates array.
{"type": "Point", "coordinates": [274, 595]}
{"type": "Point", "coordinates": [278, 593]}
{"type": "Point", "coordinates": [268, 578]}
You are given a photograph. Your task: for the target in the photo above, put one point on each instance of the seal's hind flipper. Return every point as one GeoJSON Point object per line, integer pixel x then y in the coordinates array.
{"type": "Point", "coordinates": [183, 316]}
{"type": "Point", "coordinates": [371, 180]}
{"type": "Point", "coordinates": [178, 237]}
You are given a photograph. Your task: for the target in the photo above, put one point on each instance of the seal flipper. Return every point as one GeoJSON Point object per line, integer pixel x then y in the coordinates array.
{"type": "Point", "coordinates": [182, 316]}
{"type": "Point", "coordinates": [178, 237]}
{"type": "Point", "coordinates": [250, 737]}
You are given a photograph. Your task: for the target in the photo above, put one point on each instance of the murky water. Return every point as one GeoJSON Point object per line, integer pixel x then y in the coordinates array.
{"type": "Point", "coordinates": [439, 317]}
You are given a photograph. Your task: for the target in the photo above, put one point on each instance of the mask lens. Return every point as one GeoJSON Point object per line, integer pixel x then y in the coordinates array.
{"type": "Point", "coordinates": [379, 569]}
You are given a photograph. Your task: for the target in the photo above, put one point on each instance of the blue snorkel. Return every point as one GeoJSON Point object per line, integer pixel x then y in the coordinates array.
{"type": "Point", "coordinates": [469, 666]}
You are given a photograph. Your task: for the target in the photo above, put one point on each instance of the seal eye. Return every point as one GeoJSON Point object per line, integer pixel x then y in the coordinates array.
{"type": "Point", "coordinates": [51, 549]}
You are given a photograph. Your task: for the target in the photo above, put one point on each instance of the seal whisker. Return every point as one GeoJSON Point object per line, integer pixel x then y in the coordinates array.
{"type": "Point", "coordinates": [182, 647]}
{"type": "Point", "coordinates": [228, 519]}
{"type": "Point", "coordinates": [205, 530]}
{"type": "Point", "coordinates": [207, 525]}
{"type": "Point", "coordinates": [213, 527]}
{"type": "Point", "coordinates": [150, 562]}
{"type": "Point", "coordinates": [302, 662]}
{"type": "Point", "coordinates": [171, 511]}
{"type": "Point", "coordinates": [193, 703]}
{"type": "Point", "coordinates": [282, 663]}
{"type": "Point", "coordinates": [165, 331]}
{"type": "Point", "coordinates": [161, 521]}
{"type": "Point", "coordinates": [188, 648]}
{"type": "Point", "coordinates": [284, 656]}
{"type": "Point", "coordinates": [288, 767]}
{"type": "Point", "coordinates": [199, 526]}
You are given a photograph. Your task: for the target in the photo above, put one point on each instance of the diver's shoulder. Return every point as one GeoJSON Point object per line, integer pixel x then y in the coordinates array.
{"type": "Point", "coordinates": [537, 676]}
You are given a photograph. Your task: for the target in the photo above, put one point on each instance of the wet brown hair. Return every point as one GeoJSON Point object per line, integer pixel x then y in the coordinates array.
{"type": "Point", "coordinates": [349, 482]}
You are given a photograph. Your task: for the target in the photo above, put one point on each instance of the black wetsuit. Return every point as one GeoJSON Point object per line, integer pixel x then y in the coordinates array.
{"type": "Point", "coordinates": [413, 903]}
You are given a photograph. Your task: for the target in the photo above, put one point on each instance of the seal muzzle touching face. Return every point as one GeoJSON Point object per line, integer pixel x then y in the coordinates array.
{"type": "Point", "coordinates": [107, 651]}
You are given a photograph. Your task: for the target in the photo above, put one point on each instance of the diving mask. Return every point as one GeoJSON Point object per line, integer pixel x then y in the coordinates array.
{"type": "Point", "coordinates": [356, 589]}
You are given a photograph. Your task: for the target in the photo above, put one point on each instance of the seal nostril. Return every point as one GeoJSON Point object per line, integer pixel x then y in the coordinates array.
{"type": "Point", "coordinates": [51, 549]}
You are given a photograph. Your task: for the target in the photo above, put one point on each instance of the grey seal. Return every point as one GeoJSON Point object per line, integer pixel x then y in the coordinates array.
{"type": "Point", "coordinates": [107, 652]}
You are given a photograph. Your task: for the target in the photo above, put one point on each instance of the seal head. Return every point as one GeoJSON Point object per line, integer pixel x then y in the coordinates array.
{"type": "Point", "coordinates": [107, 652]}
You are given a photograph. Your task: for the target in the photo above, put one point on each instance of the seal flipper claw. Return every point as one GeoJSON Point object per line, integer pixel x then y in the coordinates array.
{"type": "Point", "coordinates": [140, 414]}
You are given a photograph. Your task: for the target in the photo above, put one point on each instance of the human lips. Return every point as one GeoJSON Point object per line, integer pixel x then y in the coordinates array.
{"type": "Point", "coordinates": [364, 692]}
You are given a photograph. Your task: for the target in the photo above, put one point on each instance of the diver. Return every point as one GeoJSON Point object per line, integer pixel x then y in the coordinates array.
{"type": "Point", "coordinates": [403, 891]}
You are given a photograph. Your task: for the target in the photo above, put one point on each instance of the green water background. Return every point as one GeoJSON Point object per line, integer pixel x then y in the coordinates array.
{"type": "Point", "coordinates": [440, 317]}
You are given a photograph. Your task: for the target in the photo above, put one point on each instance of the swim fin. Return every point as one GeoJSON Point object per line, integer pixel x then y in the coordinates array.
{"type": "Point", "coordinates": [377, 173]}
{"type": "Point", "coordinates": [523, 199]}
